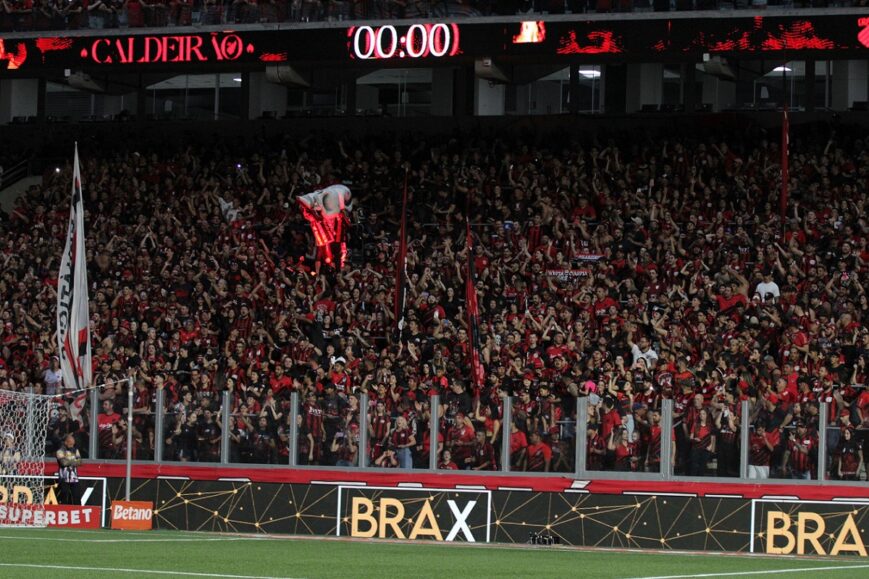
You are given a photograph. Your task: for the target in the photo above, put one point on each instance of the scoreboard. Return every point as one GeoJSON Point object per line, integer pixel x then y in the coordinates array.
{"type": "Point", "coordinates": [647, 38]}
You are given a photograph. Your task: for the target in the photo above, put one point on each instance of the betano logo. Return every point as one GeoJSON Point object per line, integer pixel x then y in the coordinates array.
{"type": "Point", "coordinates": [811, 528]}
{"type": "Point", "coordinates": [132, 515]}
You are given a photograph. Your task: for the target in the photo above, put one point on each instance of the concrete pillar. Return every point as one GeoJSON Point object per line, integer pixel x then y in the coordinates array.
{"type": "Point", "coordinates": [614, 88]}
{"type": "Point", "coordinates": [645, 86]}
{"type": "Point", "coordinates": [442, 92]}
{"type": "Point", "coordinates": [488, 98]}
{"type": "Point", "coordinates": [809, 84]}
{"type": "Point", "coordinates": [19, 98]}
{"type": "Point", "coordinates": [264, 95]}
{"type": "Point", "coordinates": [850, 83]}
{"type": "Point", "coordinates": [111, 104]}
{"type": "Point", "coordinates": [350, 97]}
{"type": "Point", "coordinates": [244, 113]}
{"type": "Point", "coordinates": [141, 100]}
{"type": "Point", "coordinates": [367, 97]}
{"type": "Point", "coordinates": [689, 79]}
{"type": "Point", "coordinates": [545, 97]}
{"type": "Point", "coordinates": [721, 94]}
{"type": "Point", "coordinates": [40, 100]}
{"type": "Point", "coordinates": [573, 90]}
{"type": "Point", "coordinates": [464, 91]}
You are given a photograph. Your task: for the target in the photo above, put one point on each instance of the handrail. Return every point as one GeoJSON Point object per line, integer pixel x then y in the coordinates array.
{"type": "Point", "coordinates": [15, 174]}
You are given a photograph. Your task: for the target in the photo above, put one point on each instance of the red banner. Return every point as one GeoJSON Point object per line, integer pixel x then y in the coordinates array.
{"type": "Point", "coordinates": [132, 515]}
{"type": "Point", "coordinates": [477, 372]}
{"type": "Point", "coordinates": [66, 516]}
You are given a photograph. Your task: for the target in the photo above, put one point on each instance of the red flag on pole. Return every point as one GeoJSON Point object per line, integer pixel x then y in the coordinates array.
{"type": "Point", "coordinates": [477, 371]}
{"type": "Point", "coordinates": [401, 265]}
{"type": "Point", "coordinates": [785, 177]}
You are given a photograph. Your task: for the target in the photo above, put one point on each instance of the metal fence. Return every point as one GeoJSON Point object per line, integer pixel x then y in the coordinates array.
{"type": "Point", "coordinates": [291, 448]}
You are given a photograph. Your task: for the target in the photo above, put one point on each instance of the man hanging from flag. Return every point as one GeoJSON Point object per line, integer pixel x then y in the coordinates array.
{"type": "Point", "coordinates": [476, 364]}
{"type": "Point", "coordinates": [401, 266]}
{"type": "Point", "coordinates": [326, 211]}
{"type": "Point", "coordinates": [73, 320]}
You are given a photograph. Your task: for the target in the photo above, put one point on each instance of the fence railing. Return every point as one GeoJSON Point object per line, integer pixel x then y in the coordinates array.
{"type": "Point", "coordinates": [355, 440]}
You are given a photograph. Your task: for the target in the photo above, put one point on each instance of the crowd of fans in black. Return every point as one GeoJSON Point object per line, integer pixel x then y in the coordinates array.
{"type": "Point", "coordinates": [22, 15]}
{"type": "Point", "coordinates": [627, 270]}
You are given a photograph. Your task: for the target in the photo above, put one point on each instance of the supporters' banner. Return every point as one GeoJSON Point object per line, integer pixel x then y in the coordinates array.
{"type": "Point", "coordinates": [132, 515]}
{"type": "Point", "coordinates": [401, 264]}
{"type": "Point", "coordinates": [785, 173]}
{"type": "Point", "coordinates": [589, 257]}
{"type": "Point", "coordinates": [326, 212]}
{"type": "Point", "coordinates": [73, 321]}
{"type": "Point", "coordinates": [477, 372]}
{"type": "Point", "coordinates": [568, 275]}
{"type": "Point", "coordinates": [76, 406]}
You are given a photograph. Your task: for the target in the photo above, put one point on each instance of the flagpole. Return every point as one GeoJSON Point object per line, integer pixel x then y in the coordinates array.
{"type": "Point", "coordinates": [401, 265]}
{"type": "Point", "coordinates": [129, 436]}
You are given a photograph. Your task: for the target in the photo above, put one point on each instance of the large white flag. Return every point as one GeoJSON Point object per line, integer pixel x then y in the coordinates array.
{"type": "Point", "coordinates": [73, 321]}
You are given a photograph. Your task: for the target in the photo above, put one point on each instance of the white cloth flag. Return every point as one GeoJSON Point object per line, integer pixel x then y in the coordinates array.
{"type": "Point", "coordinates": [73, 321]}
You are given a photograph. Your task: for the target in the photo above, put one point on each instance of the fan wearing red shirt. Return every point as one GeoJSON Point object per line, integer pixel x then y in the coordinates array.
{"type": "Point", "coordinates": [484, 453]}
{"type": "Point", "coordinates": [446, 462]}
{"type": "Point", "coordinates": [728, 299]}
{"type": "Point", "coordinates": [518, 446]}
{"type": "Point", "coordinates": [863, 407]}
{"type": "Point", "coordinates": [623, 449]}
{"type": "Point", "coordinates": [105, 421]}
{"type": "Point", "coordinates": [279, 381]}
{"type": "Point", "coordinates": [596, 448]}
{"type": "Point", "coordinates": [800, 446]}
{"type": "Point", "coordinates": [760, 448]}
{"type": "Point", "coordinates": [602, 302]}
{"type": "Point", "coordinates": [539, 455]}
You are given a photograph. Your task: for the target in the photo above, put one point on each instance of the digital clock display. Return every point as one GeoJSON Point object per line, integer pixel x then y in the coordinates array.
{"type": "Point", "coordinates": [415, 41]}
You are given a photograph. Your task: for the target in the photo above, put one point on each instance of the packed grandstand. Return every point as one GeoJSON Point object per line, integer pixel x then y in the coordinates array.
{"type": "Point", "coordinates": [627, 269]}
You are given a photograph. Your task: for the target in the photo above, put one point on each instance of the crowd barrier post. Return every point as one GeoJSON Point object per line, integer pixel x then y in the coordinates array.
{"type": "Point", "coordinates": [31, 452]}
{"type": "Point", "coordinates": [159, 431]}
{"type": "Point", "coordinates": [434, 421]}
{"type": "Point", "coordinates": [94, 442]}
{"type": "Point", "coordinates": [129, 472]}
{"type": "Point", "coordinates": [581, 437]}
{"type": "Point", "coordinates": [362, 449]}
{"type": "Point", "coordinates": [744, 433]}
{"type": "Point", "coordinates": [506, 431]}
{"type": "Point", "coordinates": [666, 439]}
{"type": "Point", "coordinates": [293, 435]}
{"type": "Point", "coordinates": [822, 441]}
{"type": "Point", "coordinates": [226, 408]}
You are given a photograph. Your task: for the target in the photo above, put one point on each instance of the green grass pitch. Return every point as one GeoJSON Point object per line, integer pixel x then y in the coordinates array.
{"type": "Point", "coordinates": [50, 553]}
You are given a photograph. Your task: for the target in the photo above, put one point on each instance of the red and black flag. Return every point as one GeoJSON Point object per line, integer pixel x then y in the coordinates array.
{"type": "Point", "coordinates": [477, 371]}
{"type": "Point", "coordinates": [401, 266]}
{"type": "Point", "coordinates": [73, 320]}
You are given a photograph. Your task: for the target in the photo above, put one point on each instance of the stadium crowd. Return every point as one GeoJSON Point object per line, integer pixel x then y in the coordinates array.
{"type": "Point", "coordinates": [23, 15]}
{"type": "Point", "coordinates": [627, 270]}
